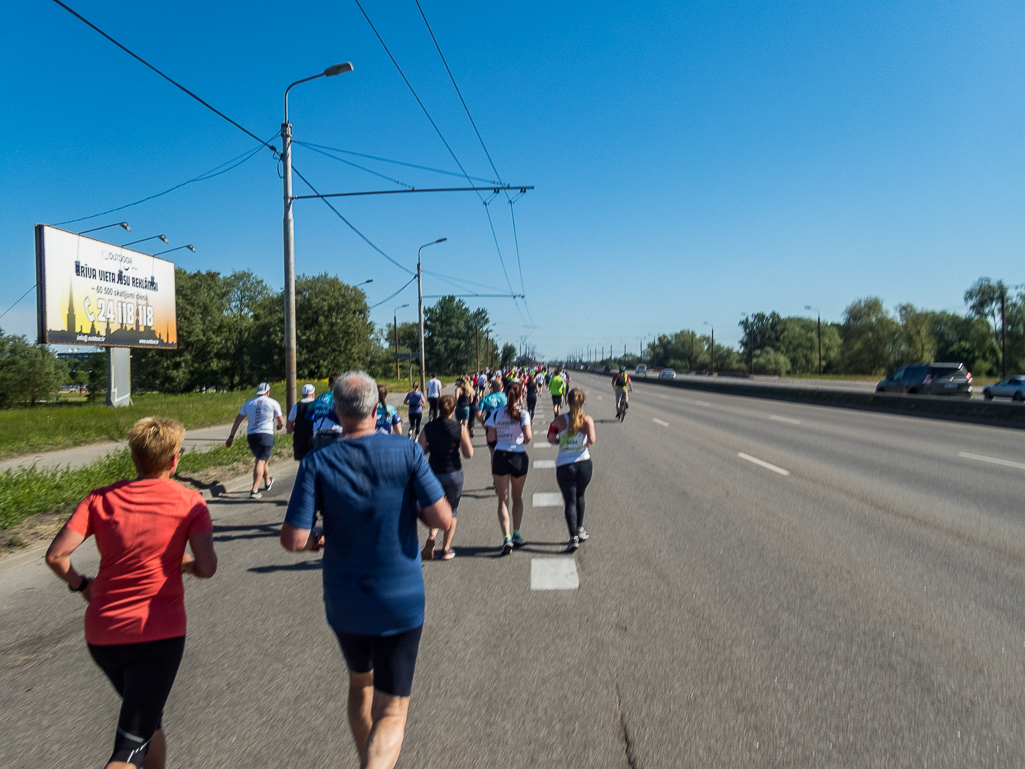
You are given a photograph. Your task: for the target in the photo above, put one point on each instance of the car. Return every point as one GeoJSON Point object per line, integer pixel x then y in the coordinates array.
{"type": "Point", "coordinates": [641, 370]}
{"type": "Point", "coordinates": [929, 379]}
{"type": "Point", "coordinates": [1012, 387]}
{"type": "Point", "coordinates": [667, 373]}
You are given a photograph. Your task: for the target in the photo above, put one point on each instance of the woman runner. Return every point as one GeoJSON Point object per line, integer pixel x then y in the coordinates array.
{"type": "Point", "coordinates": [531, 395]}
{"type": "Point", "coordinates": [415, 400]}
{"type": "Point", "coordinates": [135, 619]}
{"type": "Point", "coordinates": [573, 433]}
{"type": "Point", "coordinates": [509, 427]}
{"type": "Point", "coordinates": [465, 399]}
{"type": "Point", "coordinates": [388, 419]}
{"type": "Point", "coordinates": [443, 440]}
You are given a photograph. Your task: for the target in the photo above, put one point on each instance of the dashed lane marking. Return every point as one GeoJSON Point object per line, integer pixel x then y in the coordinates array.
{"type": "Point", "coordinates": [763, 463]}
{"type": "Point", "coordinates": [706, 404]}
{"type": "Point", "coordinates": [554, 574]}
{"type": "Point", "coordinates": [658, 421]}
{"type": "Point", "coordinates": [542, 464]}
{"type": "Point", "coordinates": [991, 460]}
{"type": "Point", "coordinates": [547, 499]}
{"type": "Point", "coordinates": [788, 420]}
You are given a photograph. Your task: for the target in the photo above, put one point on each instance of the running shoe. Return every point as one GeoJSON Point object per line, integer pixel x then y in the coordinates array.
{"type": "Point", "coordinates": [427, 554]}
{"type": "Point", "coordinates": [582, 534]}
{"type": "Point", "coordinates": [507, 546]}
{"type": "Point", "coordinates": [270, 482]}
{"type": "Point", "coordinates": [448, 555]}
{"type": "Point", "coordinates": [255, 495]}
{"type": "Point", "coordinates": [518, 540]}
{"type": "Point", "coordinates": [574, 545]}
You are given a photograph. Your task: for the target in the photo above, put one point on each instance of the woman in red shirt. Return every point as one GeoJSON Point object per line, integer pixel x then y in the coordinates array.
{"type": "Point", "coordinates": [135, 620]}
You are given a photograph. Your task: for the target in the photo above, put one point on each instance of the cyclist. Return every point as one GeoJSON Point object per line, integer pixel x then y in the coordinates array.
{"type": "Point", "coordinates": [622, 384]}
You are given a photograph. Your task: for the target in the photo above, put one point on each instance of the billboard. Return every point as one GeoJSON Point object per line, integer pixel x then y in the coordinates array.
{"type": "Point", "coordinates": [96, 293]}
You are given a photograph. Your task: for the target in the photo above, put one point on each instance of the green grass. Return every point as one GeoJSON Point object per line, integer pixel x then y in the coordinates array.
{"type": "Point", "coordinates": [30, 490]}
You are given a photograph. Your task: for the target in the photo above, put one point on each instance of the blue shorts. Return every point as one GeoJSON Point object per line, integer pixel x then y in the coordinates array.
{"type": "Point", "coordinates": [392, 658]}
{"type": "Point", "coordinates": [261, 444]}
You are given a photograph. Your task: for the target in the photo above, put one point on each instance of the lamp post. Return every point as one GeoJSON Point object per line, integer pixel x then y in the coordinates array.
{"type": "Point", "coordinates": [395, 321]}
{"type": "Point", "coordinates": [420, 305]}
{"type": "Point", "coordinates": [143, 240]}
{"type": "Point", "coordinates": [191, 248]}
{"type": "Point", "coordinates": [122, 225]}
{"type": "Point", "coordinates": [713, 345]}
{"type": "Point", "coordinates": [289, 236]}
{"type": "Point", "coordinates": [819, 321]}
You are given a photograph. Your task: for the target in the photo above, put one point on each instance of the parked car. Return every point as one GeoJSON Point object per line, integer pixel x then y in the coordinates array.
{"type": "Point", "coordinates": [929, 379]}
{"type": "Point", "coordinates": [641, 370]}
{"type": "Point", "coordinates": [667, 373]}
{"type": "Point", "coordinates": [1012, 387]}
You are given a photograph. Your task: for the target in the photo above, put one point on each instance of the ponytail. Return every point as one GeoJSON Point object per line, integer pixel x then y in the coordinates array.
{"type": "Point", "coordinates": [575, 420]}
{"type": "Point", "coordinates": [382, 394]}
{"type": "Point", "coordinates": [513, 392]}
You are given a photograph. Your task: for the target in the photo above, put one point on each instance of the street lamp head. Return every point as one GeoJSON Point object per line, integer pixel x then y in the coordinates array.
{"type": "Point", "coordinates": [441, 240]}
{"type": "Point", "coordinates": [163, 238]}
{"type": "Point", "coordinates": [124, 226]}
{"type": "Point", "coordinates": [338, 69]}
{"type": "Point", "coordinates": [191, 248]}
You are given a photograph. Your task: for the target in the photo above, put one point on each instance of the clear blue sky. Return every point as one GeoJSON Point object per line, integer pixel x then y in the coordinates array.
{"type": "Point", "coordinates": [692, 161]}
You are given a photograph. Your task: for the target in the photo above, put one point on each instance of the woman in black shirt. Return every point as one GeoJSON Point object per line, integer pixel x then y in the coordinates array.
{"type": "Point", "coordinates": [443, 440]}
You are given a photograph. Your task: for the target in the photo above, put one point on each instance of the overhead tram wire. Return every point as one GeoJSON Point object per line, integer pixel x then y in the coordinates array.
{"type": "Point", "coordinates": [19, 299]}
{"type": "Point", "coordinates": [441, 136]}
{"type": "Point", "coordinates": [310, 145]}
{"type": "Point", "coordinates": [389, 298]}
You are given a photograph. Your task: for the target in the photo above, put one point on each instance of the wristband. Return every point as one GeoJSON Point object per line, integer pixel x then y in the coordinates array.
{"type": "Point", "coordinates": [81, 588]}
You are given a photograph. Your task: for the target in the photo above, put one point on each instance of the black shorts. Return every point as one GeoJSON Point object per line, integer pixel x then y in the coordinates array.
{"type": "Point", "coordinates": [556, 400]}
{"type": "Point", "coordinates": [391, 657]}
{"type": "Point", "coordinates": [143, 674]}
{"type": "Point", "coordinates": [514, 463]}
{"type": "Point", "coordinates": [261, 444]}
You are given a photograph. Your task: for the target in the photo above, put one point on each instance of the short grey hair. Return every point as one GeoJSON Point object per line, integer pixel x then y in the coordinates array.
{"type": "Point", "coordinates": [355, 395]}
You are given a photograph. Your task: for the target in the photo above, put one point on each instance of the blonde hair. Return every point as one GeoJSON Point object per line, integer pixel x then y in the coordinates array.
{"type": "Point", "coordinates": [575, 420]}
{"type": "Point", "coordinates": [154, 442]}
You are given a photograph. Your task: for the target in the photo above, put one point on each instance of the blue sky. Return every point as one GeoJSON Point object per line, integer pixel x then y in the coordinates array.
{"type": "Point", "coordinates": [692, 161]}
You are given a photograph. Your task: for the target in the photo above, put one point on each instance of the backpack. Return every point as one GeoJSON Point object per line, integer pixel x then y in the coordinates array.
{"type": "Point", "coordinates": [621, 379]}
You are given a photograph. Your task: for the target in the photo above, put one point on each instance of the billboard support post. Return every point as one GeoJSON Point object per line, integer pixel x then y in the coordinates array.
{"type": "Point", "coordinates": [119, 376]}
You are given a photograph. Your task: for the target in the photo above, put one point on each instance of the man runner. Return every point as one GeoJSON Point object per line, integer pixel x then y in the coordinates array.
{"type": "Point", "coordinates": [557, 387]}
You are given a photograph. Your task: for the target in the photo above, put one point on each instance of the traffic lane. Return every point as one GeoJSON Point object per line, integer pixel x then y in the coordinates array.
{"type": "Point", "coordinates": [798, 627]}
{"type": "Point", "coordinates": [900, 450]}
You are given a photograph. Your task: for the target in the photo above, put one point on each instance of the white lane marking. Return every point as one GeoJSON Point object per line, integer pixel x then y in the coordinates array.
{"type": "Point", "coordinates": [706, 404]}
{"type": "Point", "coordinates": [658, 421]}
{"type": "Point", "coordinates": [541, 464]}
{"type": "Point", "coordinates": [991, 460]}
{"type": "Point", "coordinates": [763, 463]}
{"type": "Point", "coordinates": [664, 397]}
{"type": "Point", "coordinates": [788, 420]}
{"type": "Point", "coordinates": [554, 574]}
{"type": "Point", "coordinates": [599, 397]}
{"type": "Point", "coordinates": [547, 499]}
{"type": "Point", "coordinates": [540, 445]}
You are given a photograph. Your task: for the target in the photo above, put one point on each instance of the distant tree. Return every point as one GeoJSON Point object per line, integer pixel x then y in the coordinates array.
{"type": "Point", "coordinates": [760, 330]}
{"type": "Point", "coordinates": [508, 355]}
{"type": "Point", "coordinates": [869, 336]}
{"type": "Point", "coordinates": [28, 372]}
{"type": "Point", "coordinates": [915, 338]}
{"type": "Point", "coordinates": [248, 303]}
{"type": "Point", "coordinates": [984, 300]}
{"type": "Point", "coordinates": [799, 342]}
{"type": "Point", "coordinates": [332, 329]}
{"type": "Point", "coordinates": [448, 336]}
{"type": "Point", "coordinates": [769, 361]}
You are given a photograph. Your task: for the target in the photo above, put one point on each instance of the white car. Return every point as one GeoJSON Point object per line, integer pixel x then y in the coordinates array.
{"type": "Point", "coordinates": [1012, 387]}
{"type": "Point", "coordinates": [667, 373]}
{"type": "Point", "coordinates": [641, 370]}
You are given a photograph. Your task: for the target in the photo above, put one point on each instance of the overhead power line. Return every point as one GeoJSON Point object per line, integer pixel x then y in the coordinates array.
{"type": "Point", "coordinates": [402, 192]}
{"type": "Point", "coordinates": [394, 162]}
{"type": "Point", "coordinates": [389, 298]}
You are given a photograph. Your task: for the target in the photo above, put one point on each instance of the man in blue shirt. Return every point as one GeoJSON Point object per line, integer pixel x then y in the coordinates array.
{"type": "Point", "coordinates": [366, 486]}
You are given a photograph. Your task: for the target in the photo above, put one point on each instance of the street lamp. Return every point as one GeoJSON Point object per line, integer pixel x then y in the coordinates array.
{"type": "Point", "coordinates": [819, 319]}
{"type": "Point", "coordinates": [364, 283]}
{"type": "Point", "coordinates": [395, 321]}
{"type": "Point", "coordinates": [143, 240]}
{"type": "Point", "coordinates": [122, 225]}
{"type": "Point", "coordinates": [420, 304]}
{"type": "Point", "coordinates": [713, 345]}
{"type": "Point", "coordinates": [289, 237]}
{"type": "Point", "coordinates": [191, 248]}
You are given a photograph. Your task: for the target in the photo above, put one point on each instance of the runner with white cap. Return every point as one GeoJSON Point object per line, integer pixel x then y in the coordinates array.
{"type": "Point", "coordinates": [264, 416]}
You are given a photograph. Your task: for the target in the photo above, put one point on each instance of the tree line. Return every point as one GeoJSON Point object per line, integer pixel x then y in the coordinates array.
{"type": "Point", "coordinates": [231, 336]}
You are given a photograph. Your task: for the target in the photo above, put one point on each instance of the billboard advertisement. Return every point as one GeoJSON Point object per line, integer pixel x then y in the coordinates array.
{"type": "Point", "coordinates": [96, 293]}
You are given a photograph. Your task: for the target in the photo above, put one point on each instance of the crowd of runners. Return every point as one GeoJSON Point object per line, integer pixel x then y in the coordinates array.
{"type": "Point", "coordinates": [368, 489]}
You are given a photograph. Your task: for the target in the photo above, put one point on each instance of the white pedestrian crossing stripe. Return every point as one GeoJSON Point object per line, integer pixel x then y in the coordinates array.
{"type": "Point", "coordinates": [541, 464]}
{"type": "Point", "coordinates": [547, 499]}
{"type": "Point", "coordinates": [554, 574]}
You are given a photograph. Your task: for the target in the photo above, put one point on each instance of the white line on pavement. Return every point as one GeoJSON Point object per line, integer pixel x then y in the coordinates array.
{"type": "Point", "coordinates": [664, 397]}
{"type": "Point", "coordinates": [658, 421]}
{"type": "Point", "coordinates": [706, 404]}
{"type": "Point", "coordinates": [554, 574]}
{"type": "Point", "coordinates": [788, 420]}
{"type": "Point", "coordinates": [991, 460]}
{"type": "Point", "coordinates": [599, 397]}
{"type": "Point", "coordinates": [763, 463]}
{"type": "Point", "coordinates": [541, 445]}
{"type": "Point", "coordinates": [547, 499]}
{"type": "Point", "coordinates": [541, 464]}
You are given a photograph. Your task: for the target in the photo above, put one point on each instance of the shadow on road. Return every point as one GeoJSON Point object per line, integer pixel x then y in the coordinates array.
{"type": "Point", "coordinates": [314, 565]}
{"type": "Point", "coordinates": [230, 533]}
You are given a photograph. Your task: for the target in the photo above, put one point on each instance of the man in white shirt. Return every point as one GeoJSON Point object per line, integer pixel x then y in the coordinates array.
{"type": "Point", "coordinates": [433, 395]}
{"type": "Point", "coordinates": [264, 416]}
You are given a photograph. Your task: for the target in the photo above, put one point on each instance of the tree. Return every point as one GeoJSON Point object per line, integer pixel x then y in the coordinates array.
{"type": "Point", "coordinates": [799, 342]}
{"type": "Point", "coordinates": [508, 355]}
{"type": "Point", "coordinates": [449, 336]}
{"type": "Point", "coordinates": [249, 303]}
{"type": "Point", "coordinates": [769, 361]}
{"type": "Point", "coordinates": [915, 339]}
{"type": "Point", "coordinates": [28, 372]}
{"type": "Point", "coordinates": [332, 328]}
{"type": "Point", "coordinates": [869, 336]}
{"type": "Point", "coordinates": [760, 330]}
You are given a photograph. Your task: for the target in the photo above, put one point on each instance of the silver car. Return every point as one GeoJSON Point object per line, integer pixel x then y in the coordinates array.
{"type": "Point", "coordinates": [667, 373]}
{"type": "Point", "coordinates": [1012, 387]}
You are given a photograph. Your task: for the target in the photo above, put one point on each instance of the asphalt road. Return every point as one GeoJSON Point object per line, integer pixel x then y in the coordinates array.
{"type": "Point", "coordinates": [866, 608]}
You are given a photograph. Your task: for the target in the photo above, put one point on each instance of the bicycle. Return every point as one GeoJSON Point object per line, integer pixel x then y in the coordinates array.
{"type": "Point", "coordinates": [621, 411]}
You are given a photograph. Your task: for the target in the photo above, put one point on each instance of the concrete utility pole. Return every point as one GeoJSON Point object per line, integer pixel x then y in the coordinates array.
{"type": "Point", "coordinates": [420, 304]}
{"type": "Point", "coordinates": [289, 233]}
{"type": "Point", "coordinates": [395, 320]}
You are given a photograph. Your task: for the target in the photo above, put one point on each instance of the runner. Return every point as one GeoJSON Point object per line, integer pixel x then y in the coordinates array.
{"type": "Point", "coordinates": [135, 619]}
{"type": "Point", "coordinates": [465, 399]}
{"type": "Point", "coordinates": [509, 427]}
{"type": "Point", "coordinates": [433, 393]}
{"type": "Point", "coordinates": [415, 400]}
{"type": "Point", "coordinates": [574, 434]}
{"type": "Point", "coordinates": [299, 426]}
{"type": "Point", "coordinates": [388, 419]}
{"type": "Point", "coordinates": [488, 405]}
{"type": "Point", "coordinates": [443, 440]}
{"type": "Point", "coordinates": [264, 416]}
{"type": "Point", "coordinates": [623, 386]}
{"type": "Point", "coordinates": [531, 395]}
{"type": "Point", "coordinates": [557, 387]}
